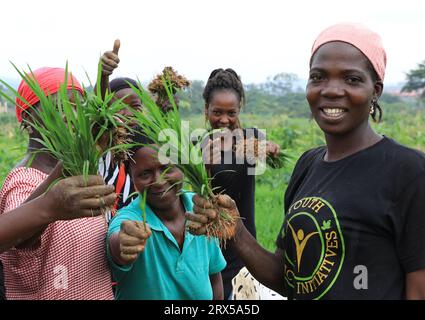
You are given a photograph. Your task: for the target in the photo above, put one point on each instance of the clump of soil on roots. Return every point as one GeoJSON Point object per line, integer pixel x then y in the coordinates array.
{"type": "Point", "coordinates": [223, 227]}
{"type": "Point", "coordinates": [116, 136]}
{"type": "Point", "coordinates": [157, 88]}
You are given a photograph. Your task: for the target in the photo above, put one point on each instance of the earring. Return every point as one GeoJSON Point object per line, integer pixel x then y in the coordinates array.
{"type": "Point", "coordinates": [372, 106]}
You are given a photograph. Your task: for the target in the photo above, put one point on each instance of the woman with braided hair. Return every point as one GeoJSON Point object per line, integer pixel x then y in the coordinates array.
{"type": "Point", "coordinates": [224, 97]}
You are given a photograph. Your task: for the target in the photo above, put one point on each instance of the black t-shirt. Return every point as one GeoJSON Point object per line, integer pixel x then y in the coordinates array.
{"type": "Point", "coordinates": [237, 181]}
{"type": "Point", "coordinates": [2, 291]}
{"type": "Point", "coordinates": [354, 228]}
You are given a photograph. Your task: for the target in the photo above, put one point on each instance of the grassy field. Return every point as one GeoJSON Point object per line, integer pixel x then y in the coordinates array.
{"type": "Point", "coordinates": [12, 144]}
{"type": "Point", "coordinates": [295, 135]}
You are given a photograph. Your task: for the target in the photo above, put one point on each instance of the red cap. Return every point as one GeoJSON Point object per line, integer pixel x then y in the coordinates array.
{"type": "Point", "coordinates": [49, 80]}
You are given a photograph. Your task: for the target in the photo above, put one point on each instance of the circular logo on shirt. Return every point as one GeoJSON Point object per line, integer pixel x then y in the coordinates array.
{"type": "Point", "coordinates": [314, 248]}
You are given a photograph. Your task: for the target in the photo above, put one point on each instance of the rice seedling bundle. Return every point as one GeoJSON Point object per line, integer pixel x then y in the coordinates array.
{"type": "Point", "coordinates": [76, 130]}
{"type": "Point", "coordinates": [156, 87]}
{"type": "Point", "coordinates": [153, 123]}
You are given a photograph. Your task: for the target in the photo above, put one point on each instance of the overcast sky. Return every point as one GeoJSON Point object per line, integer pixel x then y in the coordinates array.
{"type": "Point", "coordinates": [257, 38]}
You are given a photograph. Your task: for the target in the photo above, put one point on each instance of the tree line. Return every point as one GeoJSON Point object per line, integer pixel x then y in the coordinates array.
{"type": "Point", "coordinates": [283, 94]}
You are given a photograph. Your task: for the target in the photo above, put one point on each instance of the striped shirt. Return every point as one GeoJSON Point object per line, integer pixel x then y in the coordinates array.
{"type": "Point", "coordinates": [118, 176]}
{"type": "Point", "coordinates": [69, 260]}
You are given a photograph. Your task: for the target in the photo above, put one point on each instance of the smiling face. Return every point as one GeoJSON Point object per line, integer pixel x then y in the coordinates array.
{"type": "Point", "coordinates": [340, 88]}
{"type": "Point", "coordinates": [148, 172]}
{"type": "Point", "coordinates": [223, 109]}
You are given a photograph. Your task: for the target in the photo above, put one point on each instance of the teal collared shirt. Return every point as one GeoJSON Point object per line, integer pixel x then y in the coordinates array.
{"type": "Point", "coordinates": [163, 271]}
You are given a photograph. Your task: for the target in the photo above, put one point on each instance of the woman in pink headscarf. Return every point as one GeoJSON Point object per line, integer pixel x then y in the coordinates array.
{"type": "Point", "coordinates": [354, 209]}
{"type": "Point", "coordinates": [61, 254]}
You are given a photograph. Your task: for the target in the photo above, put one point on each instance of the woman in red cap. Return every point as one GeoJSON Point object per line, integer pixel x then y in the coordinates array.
{"type": "Point", "coordinates": [354, 209]}
{"type": "Point", "coordinates": [63, 255]}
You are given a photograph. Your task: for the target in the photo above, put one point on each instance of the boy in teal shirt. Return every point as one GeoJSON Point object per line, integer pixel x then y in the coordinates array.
{"type": "Point", "coordinates": [160, 260]}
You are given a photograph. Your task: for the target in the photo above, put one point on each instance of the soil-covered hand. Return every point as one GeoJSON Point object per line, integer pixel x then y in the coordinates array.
{"type": "Point", "coordinates": [132, 239]}
{"type": "Point", "coordinates": [77, 197]}
{"type": "Point", "coordinates": [204, 212]}
{"type": "Point", "coordinates": [272, 149]}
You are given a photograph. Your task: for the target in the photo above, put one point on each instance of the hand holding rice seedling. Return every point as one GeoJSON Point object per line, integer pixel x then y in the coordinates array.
{"type": "Point", "coordinates": [133, 236]}
{"type": "Point", "coordinates": [154, 122]}
{"type": "Point", "coordinates": [157, 88]}
{"type": "Point", "coordinates": [76, 130]}
{"type": "Point", "coordinates": [73, 128]}
{"type": "Point", "coordinates": [250, 150]}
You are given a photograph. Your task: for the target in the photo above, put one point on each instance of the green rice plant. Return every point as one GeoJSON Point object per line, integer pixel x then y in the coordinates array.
{"type": "Point", "coordinates": [76, 130]}
{"type": "Point", "coordinates": [143, 207]}
{"type": "Point", "coordinates": [278, 162]}
{"type": "Point", "coordinates": [249, 149]}
{"type": "Point", "coordinates": [153, 123]}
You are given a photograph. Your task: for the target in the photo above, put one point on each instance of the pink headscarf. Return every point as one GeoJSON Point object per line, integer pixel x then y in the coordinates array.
{"type": "Point", "coordinates": [49, 80]}
{"type": "Point", "coordinates": [364, 39]}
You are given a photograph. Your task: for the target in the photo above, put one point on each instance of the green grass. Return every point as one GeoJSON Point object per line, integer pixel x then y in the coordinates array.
{"type": "Point", "coordinates": [13, 143]}
{"type": "Point", "coordinates": [269, 213]}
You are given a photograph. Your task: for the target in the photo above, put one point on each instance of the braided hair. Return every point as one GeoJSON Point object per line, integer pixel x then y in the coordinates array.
{"type": "Point", "coordinates": [224, 79]}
